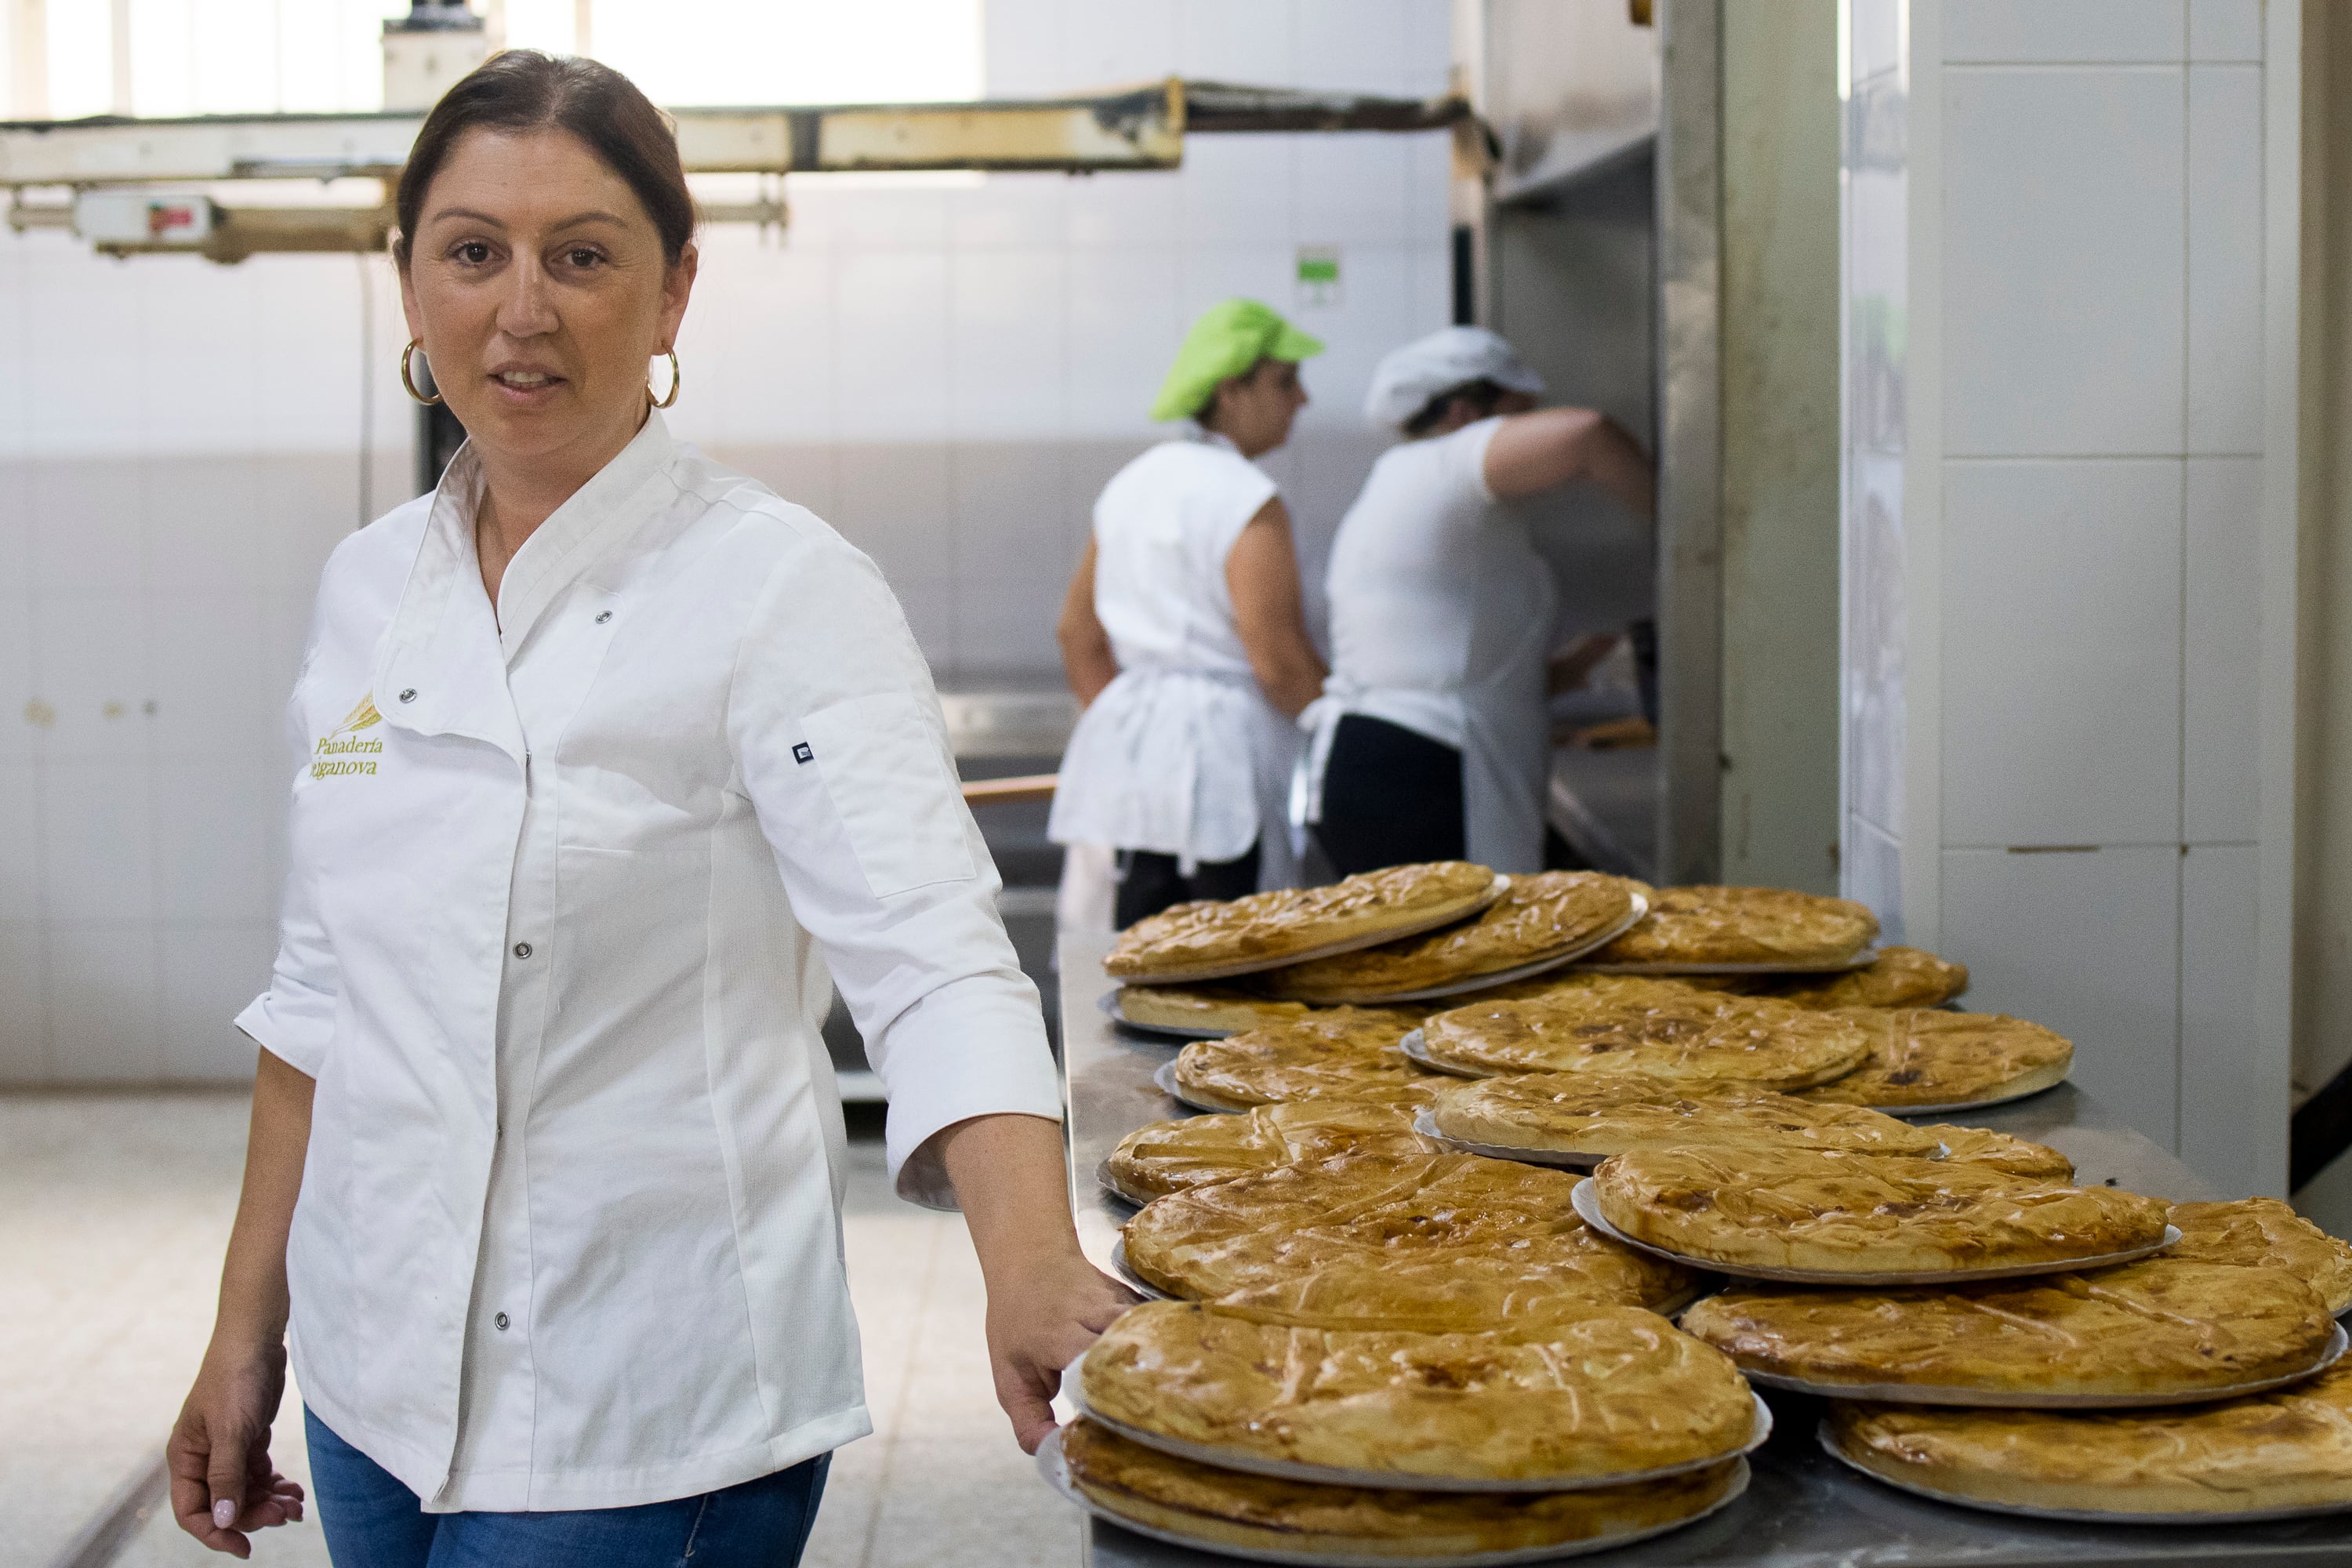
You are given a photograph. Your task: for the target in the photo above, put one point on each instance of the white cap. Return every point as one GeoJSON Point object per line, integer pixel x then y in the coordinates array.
{"type": "Point", "coordinates": [1450, 357]}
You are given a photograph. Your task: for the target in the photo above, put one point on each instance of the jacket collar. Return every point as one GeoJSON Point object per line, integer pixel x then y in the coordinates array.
{"type": "Point", "coordinates": [442, 667]}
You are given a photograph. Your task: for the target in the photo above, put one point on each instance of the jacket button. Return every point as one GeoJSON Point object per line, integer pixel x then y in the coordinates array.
{"type": "Point", "coordinates": [604, 616]}
{"type": "Point", "coordinates": [522, 950]}
{"type": "Point", "coordinates": [409, 695]}
{"type": "Point", "coordinates": [500, 1320]}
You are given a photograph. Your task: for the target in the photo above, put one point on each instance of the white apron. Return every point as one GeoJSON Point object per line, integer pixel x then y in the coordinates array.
{"type": "Point", "coordinates": [1181, 754]}
{"type": "Point", "coordinates": [1442, 614]}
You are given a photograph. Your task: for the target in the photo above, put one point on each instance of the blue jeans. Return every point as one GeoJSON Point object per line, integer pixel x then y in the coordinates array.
{"type": "Point", "coordinates": [372, 1521]}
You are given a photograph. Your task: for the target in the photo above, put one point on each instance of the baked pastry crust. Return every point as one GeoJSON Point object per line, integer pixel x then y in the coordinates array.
{"type": "Point", "coordinates": [1576, 1113]}
{"type": "Point", "coordinates": [1548, 912]}
{"type": "Point", "coordinates": [1227, 1008]}
{"type": "Point", "coordinates": [2266, 1233]}
{"type": "Point", "coordinates": [1194, 1150]}
{"type": "Point", "coordinates": [1615, 1391]}
{"type": "Point", "coordinates": [2000, 1151]}
{"type": "Point", "coordinates": [2289, 1448]}
{"type": "Point", "coordinates": [1197, 939]}
{"type": "Point", "coordinates": [1437, 1242]}
{"type": "Point", "coordinates": [1707, 924]}
{"type": "Point", "coordinates": [2159, 1330]}
{"type": "Point", "coordinates": [1926, 1056]}
{"type": "Point", "coordinates": [1339, 1053]}
{"type": "Point", "coordinates": [1227, 1508]}
{"type": "Point", "coordinates": [1681, 1039]}
{"type": "Point", "coordinates": [1898, 977]}
{"type": "Point", "coordinates": [1761, 1207]}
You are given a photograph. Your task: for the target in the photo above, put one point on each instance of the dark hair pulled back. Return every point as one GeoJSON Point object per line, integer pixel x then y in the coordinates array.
{"type": "Point", "coordinates": [523, 89]}
{"type": "Point", "coordinates": [1480, 395]}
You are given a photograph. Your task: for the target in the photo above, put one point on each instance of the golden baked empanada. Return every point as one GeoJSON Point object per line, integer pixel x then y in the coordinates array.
{"type": "Point", "coordinates": [1436, 1242]}
{"type": "Point", "coordinates": [2000, 1151]}
{"type": "Point", "coordinates": [2264, 1231]}
{"type": "Point", "coordinates": [2161, 1330]}
{"type": "Point", "coordinates": [1539, 915]}
{"type": "Point", "coordinates": [1588, 1113]}
{"type": "Point", "coordinates": [1227, 1508]}
{"type": "Point", "coordinates": [1205, 938]}
{"type": "Point", "coordinates": [1702, 925]}
{"type": "Point", "coordinates": [1760, 1207]}
{"type": "Point", "coordinates": [2288, 1450]}
{"type": "Point", "coordinates": [1928, 1057]}
{"type": "Point", "coordinates": [1166, 1157]}
{"type": "Point", "coordinates": [1898, 977]}
{"type": "Point", "coordinates": [1227, 1008]}
{"type": "Point", "coordinates": [1697, 1039]}
{"type": "Point", "coordinates": [1342, 1052]}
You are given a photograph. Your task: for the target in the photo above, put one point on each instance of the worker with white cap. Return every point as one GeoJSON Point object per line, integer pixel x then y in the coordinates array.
{"type": "Point", "coordinates": [1184, 636]}
{"type": "Point", "coordinates": [1432, 739]}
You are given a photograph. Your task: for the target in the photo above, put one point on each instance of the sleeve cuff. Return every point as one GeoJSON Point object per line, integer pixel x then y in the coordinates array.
{"type": "Point", "coordinates": [304, 1050]}
{"type": "Point", "coordinates": [973, 1049]}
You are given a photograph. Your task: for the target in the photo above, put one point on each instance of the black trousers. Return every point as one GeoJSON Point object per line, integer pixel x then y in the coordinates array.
{"type": "Point", "coordinates": [1391, 797]}
{"type": "Point", "coordinates": [1149, 881]}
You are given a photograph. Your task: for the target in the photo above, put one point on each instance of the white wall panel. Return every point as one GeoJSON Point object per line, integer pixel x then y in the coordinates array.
{"type": "Point", "coordinates": [24, 1003]}
{"type": "Point", "coordinates": [20, 842]}
{"type": "Point", "coordinates": [85, 526]}
{"type": "Point", "coordinates": [98, 842]}
{"type": "Point", "coordinates": [1005, 356]}
{"type": "Point", "coordinates": [91, 668]}
{"type": "Point", "coordinates": [207, 865]}
{"type": "Point", "coordinates": [1236, 40]}
{"type": "Point", "coordinates": [2062, 652]}
{"type": "Point", "coordinates": [2225, 29]}
{"type": "Point", "coordinates": [1877, 31]}
{"type": "Point", "coordinates": [1874, 877]}
{"type": "Point", "coordinates": [2042, 32]}
{"type": "Point", "coordinates": [1346, 45]}
{"type": "Point", "coordinates": [103, 991]}
{"type": "Point", "coordinates": [2063, 261]}
{"type": "Point", "coordinates": [2086, 945]}
{"type": "Point", "coordinates": [890, 345]}
{"type": "Point", "coordinates": [2225, 258]}
{"type": "Point", "coordinates": [2221, 653]}
{"type": "Point", "coordinates": [2229, 1113]}
{"type": "Point", "coordinates": [200, 519]}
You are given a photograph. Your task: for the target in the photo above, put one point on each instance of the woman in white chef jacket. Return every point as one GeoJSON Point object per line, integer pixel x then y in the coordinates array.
{"type": "Point", "coordinates": [1431, 740]}
{"type": "Point", "coordinates": [608, 752]}
{"type": "Point", "coordinates": [1184, 637]}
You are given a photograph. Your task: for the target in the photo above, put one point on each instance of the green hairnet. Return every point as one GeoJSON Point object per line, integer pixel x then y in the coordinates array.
{"type": "Point", "coordinates": [1230, 337]}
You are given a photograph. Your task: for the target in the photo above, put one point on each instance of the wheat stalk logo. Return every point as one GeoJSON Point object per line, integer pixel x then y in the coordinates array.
{"type": "Point", "coordinates": [364, 717]}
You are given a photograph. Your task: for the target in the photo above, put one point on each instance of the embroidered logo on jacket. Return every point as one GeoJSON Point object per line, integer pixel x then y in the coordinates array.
{"type": "Point", "coordinates": [344, 749]}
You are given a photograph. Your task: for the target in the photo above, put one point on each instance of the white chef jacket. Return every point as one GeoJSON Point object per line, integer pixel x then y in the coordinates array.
{"type": "Point", "coordinates": [1181, 753]}
{"type": "Point", "coordinates": [569, 1232]}
{"type": "Point", "coordinates": [1441, 612]}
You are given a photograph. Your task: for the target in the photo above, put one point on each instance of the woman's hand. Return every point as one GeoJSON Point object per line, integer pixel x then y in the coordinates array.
{"type": "Point", "coordinates": [1045, 1302]}
{"type": "Point", "coordinates": [1039, 1322]}
{"type": "Point", "coordinates": [223, 1484]}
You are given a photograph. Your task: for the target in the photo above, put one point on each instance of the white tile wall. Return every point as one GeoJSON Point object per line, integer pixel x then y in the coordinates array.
{"type": "Point", "coordinates": [2062, 652]}
{"type": "Point", "coordinates": [2218, 1095]}
{"type": "Point", "coordinates": [105, 1023]}
{"type": "Point", "coordinates": [2225, 30]}
{"type": "Point", "coordinates": [2220, 663]}
{"type": "Point", "coordinates": [2087, 944]}
{"type": "Point", "coordinates": [2063, 265]}
{"type": "Point", "coordinates": [2225, 258]}
{"type": "Point", "coordinates": [2038, 32]}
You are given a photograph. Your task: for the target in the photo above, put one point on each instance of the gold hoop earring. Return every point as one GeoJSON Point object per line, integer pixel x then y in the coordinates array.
{"type": "Point", "coordinates": [664, 402]}
{"type": "Point", "coordinates": [409, 382]}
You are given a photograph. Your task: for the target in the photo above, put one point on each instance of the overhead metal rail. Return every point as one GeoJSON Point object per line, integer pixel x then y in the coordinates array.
{"type": "Point", "coordinates": [1135, 129]}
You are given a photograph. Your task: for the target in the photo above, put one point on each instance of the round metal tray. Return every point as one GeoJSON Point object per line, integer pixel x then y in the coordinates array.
{"type": "Point", "coordinates": [1413, 1046]}
{"type": "Point", "coordinates": [1980, 1399]}
{"type": "Point", "coordinates": [1587, 1203]}
{"type": "Point", "coordinates": [1525, 971]}
{"type": "Point", "coordinates": [1959, 1107]}
{"type": "Point", "coordinates": [1058, 1476]}
{"type": "Point", "coordinates": [1108, 1001]}
{"type": "Point", "coordinates": [1103, 1180]}
{"type": "Point", "coordinates": [1495, 890]}
{"type": "Point", "coordinates": [1163, 1077]}
{"type": "Point", "coordinates": [1862, 960]}
{"type": "Point", "coordinates": [1339, 1476]}
{"type": "Point", "coordinates": [2072, 1515]}
{"type": "Point", "coordinates": [1135, 1281]}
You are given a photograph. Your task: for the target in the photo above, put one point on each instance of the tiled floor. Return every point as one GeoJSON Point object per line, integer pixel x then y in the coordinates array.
{"type": "Point", "coordinates": [113, 1210]}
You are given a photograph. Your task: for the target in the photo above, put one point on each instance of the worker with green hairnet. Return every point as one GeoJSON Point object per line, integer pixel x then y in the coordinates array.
{"type": "Point", "coordinates": [1184, 634]}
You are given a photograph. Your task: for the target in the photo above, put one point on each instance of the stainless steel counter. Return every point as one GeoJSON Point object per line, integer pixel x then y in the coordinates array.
{"type": "Point", "coordinates": [1803, 1509]}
